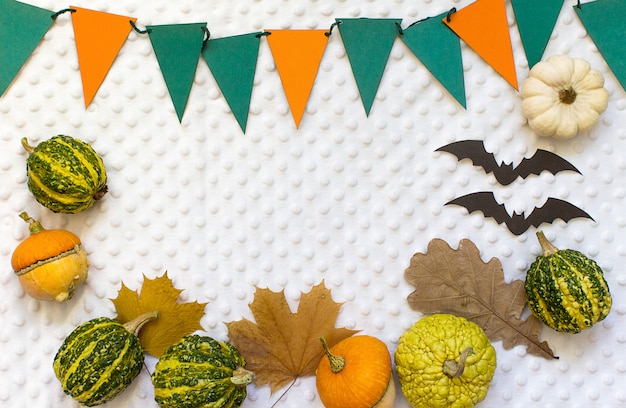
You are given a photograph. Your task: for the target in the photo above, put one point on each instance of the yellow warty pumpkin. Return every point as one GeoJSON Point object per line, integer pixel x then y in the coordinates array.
{"type": "Point", "coordinates": [445, 361]}
{"type": "Point", "coordinates": [563, 96]}
{"type": "Point", "coordinates": [50, 264]}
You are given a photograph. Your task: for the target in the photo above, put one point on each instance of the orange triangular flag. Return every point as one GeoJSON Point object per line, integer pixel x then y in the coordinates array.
{"type": "Point", "coordinates": [99, 38]}
{"type": "Point", "coordinates": [483, 26]}
{"type": "Point", "coordinates": [297, 55]}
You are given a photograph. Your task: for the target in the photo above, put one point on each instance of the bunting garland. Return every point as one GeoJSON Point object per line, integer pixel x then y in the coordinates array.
{"type": "Point", "coordinates": [297, 54]}
{"type": "Point", "coordinates": [484, 27]}
{"type": "Point", "coordinates": [444, 61]}
{"type": "Point", "coordinates": [232, 61]}
{"type": "Point", "coordinates": [177, 48]}
{"type": "Point", "coordinates": [368, 42]}
{"type": "Point", "coordinates": [18, 44]}
{"type": "Point", "coordinates": [604, 21]}
{"type": "Point", "coordinates": [535, 21]}
{"type": "Point", "coordinates": [99, 38]}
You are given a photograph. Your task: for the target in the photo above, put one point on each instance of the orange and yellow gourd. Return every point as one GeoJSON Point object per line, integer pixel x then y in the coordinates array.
{"type": "Point", "coordinates": [50, 264]}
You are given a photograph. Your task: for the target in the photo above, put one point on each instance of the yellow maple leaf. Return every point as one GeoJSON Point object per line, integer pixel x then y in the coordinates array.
{"type": "Point", "coordinates": [175, 320]}
{"type": "Point", "coordinates": [282, 346]}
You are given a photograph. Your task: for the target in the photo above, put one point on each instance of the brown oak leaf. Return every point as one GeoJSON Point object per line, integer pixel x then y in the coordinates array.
{"type": "Point", "coordinates": [175, 319]}
{"type": "Point", "coordinates": [282, 346]}
{"type": "Point", "coordinates": [460, 283]}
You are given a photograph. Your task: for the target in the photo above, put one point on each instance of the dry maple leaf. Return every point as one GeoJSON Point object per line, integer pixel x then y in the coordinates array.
{"type": "Point", "coordinates": [282, 346]}
{"type": "Point", "coordinates": [175, 320]}
{"type": "Point", "coordinates": [460, 283]}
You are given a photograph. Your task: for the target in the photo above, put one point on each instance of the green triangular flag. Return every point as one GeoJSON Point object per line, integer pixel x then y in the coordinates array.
{"type": "Point", "coordinates": [368, 44]}
{"type": "Point", "coordinates": [232, 61]}
{"type": "Point", "coordinates": [605, 22]}
{"type": "Point", "coordinates": [439, 49]}
{"type": "Point", "coordinates": [535, 22]}
{"type": "Point", "coordinates": [177, 48]}
{"type": "Point", "coordinates": [22, 28]}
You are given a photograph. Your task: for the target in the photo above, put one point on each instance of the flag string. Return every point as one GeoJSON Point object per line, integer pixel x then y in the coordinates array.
{"type": "Point", "coordinates": [332, 26]}
{"type": "Point", "coordinates": [449, 15]}
{"type": "Point", "coordinates": [207, 35]}
{"type": "Point", "coordinates": [137, 29]}
{"type": "Point", "coordinates": [58, 13]}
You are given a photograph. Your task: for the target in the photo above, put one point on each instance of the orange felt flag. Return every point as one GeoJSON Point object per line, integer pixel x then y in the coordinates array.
{"type": "Point", "coordinates": [297, 55]}
{"type": "Point", "coordinates": [99, 38]}
{"type": "Point", "coordinates": [483, 26]}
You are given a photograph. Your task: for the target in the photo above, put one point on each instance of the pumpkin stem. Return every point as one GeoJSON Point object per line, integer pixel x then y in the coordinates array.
{"type": "Point", "coordinates": [453, 369]}
{"type": "Point", "coordinates": [29, 149]}
{"type": "Point", "coordinates": [242, 377]}
{"type": "Point", "coordinates": [337, 363]}
{"type": "Point", "coordinates": [567, 95]}
{"type": "Point", "coordinates": [137, 323]}
{"type": "Point", "coordinates": [34, 225]}
{"type": "Point", "coordinates": [547, 248]}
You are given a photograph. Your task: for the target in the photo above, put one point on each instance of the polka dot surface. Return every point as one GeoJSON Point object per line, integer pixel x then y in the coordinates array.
{"type": "Point", "coordinates": [346, 198]}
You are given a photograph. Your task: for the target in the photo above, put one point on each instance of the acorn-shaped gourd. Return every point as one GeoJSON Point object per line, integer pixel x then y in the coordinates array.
{"type": "Point", "coordinates": [50, 264]}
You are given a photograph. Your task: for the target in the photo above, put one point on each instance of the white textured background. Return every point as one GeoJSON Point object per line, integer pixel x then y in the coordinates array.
{"type": "Point", "coordinates": [344, 198]}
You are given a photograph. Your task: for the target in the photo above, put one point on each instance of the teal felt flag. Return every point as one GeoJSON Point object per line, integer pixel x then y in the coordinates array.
{"type": "Point", "coordinates": [605, 22]}
{"type": "Point", "coordinates": [535, 22]}
{"type": "Point", "coordinates": [368, 44]}
{"type": "Point", "coordinates": [439, 49]}
{"type": "Point", "coordinates": [22, 28]}
{"type": "Point", "coordinates": [177, 48]}
{"type": "Point", "coordinates": [232, 61]}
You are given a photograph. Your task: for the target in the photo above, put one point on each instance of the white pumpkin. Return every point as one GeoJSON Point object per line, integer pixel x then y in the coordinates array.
{"type": "Point", "coordinates": [563, 96]}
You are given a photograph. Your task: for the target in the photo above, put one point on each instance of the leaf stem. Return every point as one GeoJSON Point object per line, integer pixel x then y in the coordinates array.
{"type": "Point", "coordinates": [285, 392]}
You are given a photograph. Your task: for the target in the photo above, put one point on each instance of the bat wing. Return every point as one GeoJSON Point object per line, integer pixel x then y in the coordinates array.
{"type": "Point", "coordinates": [485, 202]}
{"type": "Point", "coordinates": [475, 151]}
{"type": "Point", "coordinates": [543, 160]}
{"type": "Point", "coordinates": [553, 209]}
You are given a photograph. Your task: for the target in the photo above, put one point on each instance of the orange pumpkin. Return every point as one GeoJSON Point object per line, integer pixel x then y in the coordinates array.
{"type": "Point", "coordinates": [50, 264]}
{"type": "Point", "coordinates": [356, 373]}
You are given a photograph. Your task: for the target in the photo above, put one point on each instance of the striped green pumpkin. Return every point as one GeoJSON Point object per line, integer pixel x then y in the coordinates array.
{"type": "Point", "coordinates": [202, 372]}
{"type": "Point", "coordinates": [565, 289]}
{"type": "Point", "coordinates": [65, 174]}
{"type": "Point", "coordinates": [99, 359]}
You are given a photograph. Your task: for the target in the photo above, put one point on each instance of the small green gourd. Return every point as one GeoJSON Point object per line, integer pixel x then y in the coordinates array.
{"type": "Point", "coordinates": [65, 174]}
{"type": "Point", "coordinates": [565, 289]}
{"type": "Point", "coordinates": [100, 358]}
{"type": "Point", "coordinates": [200, 371]}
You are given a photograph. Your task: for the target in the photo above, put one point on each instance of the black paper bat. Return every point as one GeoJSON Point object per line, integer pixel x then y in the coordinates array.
{"type": "Point", "coordinates": [506, 173]}
{"type": "Point", "coordinates": [553, 209]}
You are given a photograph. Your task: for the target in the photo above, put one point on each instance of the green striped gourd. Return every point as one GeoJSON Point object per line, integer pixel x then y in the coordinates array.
{"type": "Point", "coordinates": [200, 371]}
{"type": "Point", "coordinates": [65, 174]}
{"type": "Point", "coordinates": [100, 358]}
{"type": "Point", "coordinates": [565, 289]}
